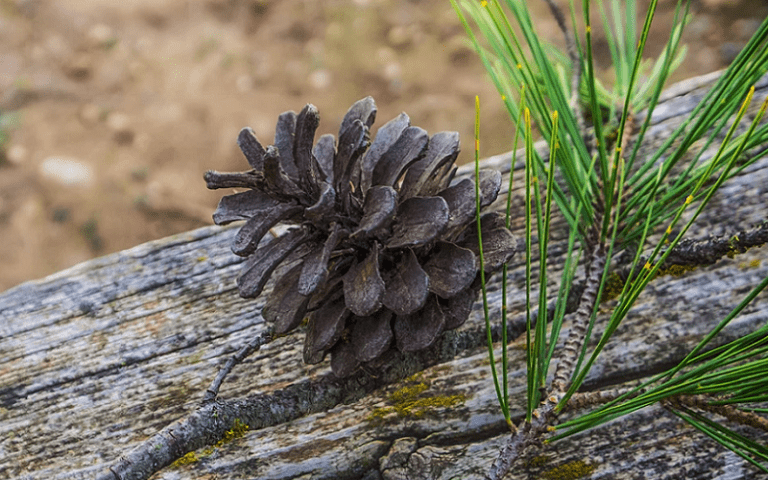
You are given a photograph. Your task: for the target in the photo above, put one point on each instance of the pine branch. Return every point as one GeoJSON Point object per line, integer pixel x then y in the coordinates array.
{"type": "Point", "coordinates": [730, 412]}
{"type": "Point", "coordinates": [527, 434]}
{"type": "Point", "coordinates": [543, 417]}
{"type": "Point", "coordinates": [572, 348]}
{"type": "Point", "coordinates": [582, 400]}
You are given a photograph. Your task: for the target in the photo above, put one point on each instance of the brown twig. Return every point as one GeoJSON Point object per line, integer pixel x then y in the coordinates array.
{"type": "Point", "coordinates": [207, 425]}
{"type": "Point", "coordinates": [699, 253]}
{"type": "Point", "coordinates": [252, 346]}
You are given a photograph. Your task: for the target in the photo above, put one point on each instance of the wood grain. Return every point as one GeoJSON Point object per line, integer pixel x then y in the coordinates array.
{"type": "Point", "coordinates": [97, 358]}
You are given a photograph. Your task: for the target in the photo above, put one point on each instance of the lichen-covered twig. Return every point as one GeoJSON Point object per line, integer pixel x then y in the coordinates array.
{"type": "Point", "coordinates": [252, 346]}
{"type": "Point", "coordinates": [208, 424]}
{"type": "Point", "coordinates": [710, 250]}
{"type": "Point", "coordinates": [699, 253]}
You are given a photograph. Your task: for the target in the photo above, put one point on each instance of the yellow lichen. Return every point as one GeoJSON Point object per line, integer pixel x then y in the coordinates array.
{"type": "Point", "coordinates": [408, 394]}
{"type": "Point", "coordinates": [570, 471]}
{"type": "Point", "coordinates": [676, 270]}
{"type": "Point", "coordinates": [538, 461]}
{"type": "Point", "coordinates": [409, 401]}
{"type": "Point", "coordinates": [751, 264]}
{"type": "Point", "coordinates": [613, 287]}
{"type": "Point", "coordinates": [238, 430]}
{"type": "Point", "coordinates": [187, 459]}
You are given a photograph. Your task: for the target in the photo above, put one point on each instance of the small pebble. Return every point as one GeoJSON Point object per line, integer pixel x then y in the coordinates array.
{"type": "Point", "coordinates": [334, 32]}
{"type": "Point", "coordinates": [120, 125]}
{"type": "Point", "coordinates": [744, 28]}
{"type": "Point", "coordinates": [399, 36]}
{"type": "Point", "coordinates": [16, 154]}
{"type": "Point", "coordinates": [90, 113]}
{"type": "Point", "coordinates": [459, 51]}
{"type": "Point", "coordinates": [385, 55]}
{"type": "Point", "coordinates": [320, 79]}
{"type": "Point", "coordinates": [392, 71]}
{"type": "Point", "coordinates": [79, 67]}
{"type": "Point", "coordinates": [101, 35]}
{"type": "Point", "coordinates": [244, 83]}
{"type": "Point", "coordinates": [57, 47]}
{"type": "Point", "coordinates": [729, 51]}
{"type": "Point", "coordinates": [67, 171]}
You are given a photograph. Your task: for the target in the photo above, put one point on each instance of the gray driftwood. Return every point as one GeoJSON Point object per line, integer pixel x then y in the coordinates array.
{"type": "Point", "coordinates": [96, 359]}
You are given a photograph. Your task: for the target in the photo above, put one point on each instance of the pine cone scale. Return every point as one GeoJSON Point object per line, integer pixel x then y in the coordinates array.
{"type": "Point", "coordinates": [387, 135]}
{"type": "Point", "coordinates": [284, 133]}
{"type": "Point", "coordinates": [413, 335]}
{"type": "Point", "coordinates": [378, 211]}
{"type": "Point", "coordinates": [252, 149]}
{"type": "Point", "coordinates": [285, 306]}
{"type": "Point", "coordinates": [451, 270]}
{"type": "Point", "coordinates": [462, 205]}
{"type": "Point", "coordinates": [404, 152]}
{"type": "Point", "coordinates": [315, 268]}
{"type": "Point", "coordinates": [351, 143]}
{"type": "Point", "coordinates": [324, 152]}
{"type": "Point", "coordinates": [443, 149]}
{"type": "Point", "coordinates": [324, 329]}
{"type": "Point", "coordinates": [363, 110]}
{"type": "Point", "coordinates": [264, 261]}
{"type": "Point", "coordinates": [407, 286]}
{"type": "Point", "coordinates": [372, 336]}
{"type": "Point", "coordinates": [248, 238]}
{"type": "Point", "coordinates": [308, 171]}
{"type": "Point", "coordinates": [241, 206]}
{"type": "Point", "coordinates": [363, 285]}
{"type": "Point", "coordinates": [419, 220]}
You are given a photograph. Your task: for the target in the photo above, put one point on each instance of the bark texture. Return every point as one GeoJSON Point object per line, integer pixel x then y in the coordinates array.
{"type": "Point", "coordinates": [99, 358]}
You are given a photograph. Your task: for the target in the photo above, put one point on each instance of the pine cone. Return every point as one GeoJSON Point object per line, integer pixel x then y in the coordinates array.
{"type": "Point", "coordinates": [384, 250]}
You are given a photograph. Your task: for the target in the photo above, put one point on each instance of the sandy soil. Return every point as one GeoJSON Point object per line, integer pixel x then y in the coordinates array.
{"type": "Point", "coordinates": [115, 109]}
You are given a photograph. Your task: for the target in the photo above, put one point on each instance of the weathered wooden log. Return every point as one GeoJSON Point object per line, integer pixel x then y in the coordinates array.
{"type": "Point", "coordinates": [96, 359]}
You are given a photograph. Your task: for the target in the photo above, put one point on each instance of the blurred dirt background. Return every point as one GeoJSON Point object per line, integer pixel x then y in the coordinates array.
{"type": "Point", "coordinates": [110, 112]}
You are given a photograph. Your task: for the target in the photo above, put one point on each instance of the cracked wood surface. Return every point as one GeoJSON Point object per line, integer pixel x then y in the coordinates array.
{"type": "Point", "coordinates": [97, 358]}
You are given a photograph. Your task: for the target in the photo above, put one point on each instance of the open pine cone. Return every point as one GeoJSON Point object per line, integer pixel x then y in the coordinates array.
{"type": "Point", "coordinates": [384, 250]}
